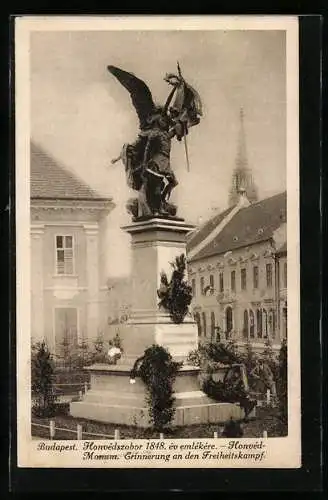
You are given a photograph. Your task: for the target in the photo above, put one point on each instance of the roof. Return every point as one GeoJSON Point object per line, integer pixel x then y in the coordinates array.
{"type": "Point", "coordinates": [199, 235]}
{"type": "Point", "coordinates": [50, 180]}
{"type": "Point", "coordinates": [249, 225]}
{"type": "Point", "coordinates": [283, 249]}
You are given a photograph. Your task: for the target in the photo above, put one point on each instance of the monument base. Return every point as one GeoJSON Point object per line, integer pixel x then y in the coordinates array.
{"type": "Point", "coordinates": [143, 330]}
{"type": "Point", "coordinates": [113, 399]}
{"type": "Point", "coordinates": [156, 243]}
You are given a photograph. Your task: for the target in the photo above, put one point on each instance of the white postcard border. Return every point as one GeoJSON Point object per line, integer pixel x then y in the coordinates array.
{"type": "Point", "coordinates": [281, 452]}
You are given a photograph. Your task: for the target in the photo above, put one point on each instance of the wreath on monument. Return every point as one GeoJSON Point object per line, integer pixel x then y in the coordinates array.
{"type": "Point", "coordinates": [213, 355]}
{"type": "Point", "coordinates": [175, 295]}
{"type": "Point", "coordinates": [158, 372]}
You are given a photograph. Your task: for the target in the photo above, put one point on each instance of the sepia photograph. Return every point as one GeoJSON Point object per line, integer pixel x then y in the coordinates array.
{"type": "Point", "coordinates": [157, 242]}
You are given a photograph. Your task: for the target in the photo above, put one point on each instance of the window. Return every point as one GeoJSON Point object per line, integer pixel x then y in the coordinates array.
{"type": "Point", "coordinates": [65, 329]}
{"type": "Point", "coordinates": [284, 320]}
{"type": "Point", "coordinates": [229, 322]}
{"type": "Point", "coordinates": [285, 275]}
{"type": "Point", "coordinates": [233, 281]}
{"type": "Point", "coordinates": [204, 323]}
{"type": "Point", "coordinates": [243, 279]}
{"type": "Point", "coordinates": [251, 324]}
{"type": "Point", "coordinates": [212, 325]}
{"type": "Point", "coordinates": [212, 282]}
{"type": "Point", "coordinates": [265, 324]}
{"type": "Point", "coordinates": [64, 255]}
{"type": "Point", "coordinates": [202, 285]}
{"type": "Point", "coordinates": [221, 278]}
{"type": "Point", "coordinates": [199, 325]}
{"type": "Point", "coordinates": [193, 287]}
{"type": "Point", "coordinates": [255, 277]}
{"type": "Point", "coordinates": [259, 323]}
{"type": "Point", "coordinates": [245, 326]}
{"type": "Point", "coordinates": [272, 323]}
{"type": "Point", "coordinates": [269, 275]}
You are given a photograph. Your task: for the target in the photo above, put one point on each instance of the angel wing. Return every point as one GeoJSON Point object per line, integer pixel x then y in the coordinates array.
{"type": "Point", "coordinates": [140, 94]}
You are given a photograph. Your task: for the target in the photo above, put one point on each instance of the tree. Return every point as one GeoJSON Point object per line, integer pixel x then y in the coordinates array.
{"type": "Point", "coordinates": [282, 385]}
{"type": "Point", "coordinates": [249, 357]}
{"type": "Point", "coordinates": [43, 393]}
{"type": "Point", "coordinates": [175, 296]}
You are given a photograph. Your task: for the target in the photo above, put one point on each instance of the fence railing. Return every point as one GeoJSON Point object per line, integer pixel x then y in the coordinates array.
{"type": "Point", "coordinates": [81, 434]}
{"type": "Point", "coordinates": [78, 432]}
{"type": "Point", "coordinates": [263, 398]}
{"type": "Point", "coordinates": [79, 388]}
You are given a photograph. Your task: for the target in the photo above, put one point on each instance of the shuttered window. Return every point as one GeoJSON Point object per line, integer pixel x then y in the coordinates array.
{"type": "Point", "coordinates": [285, 275]}
{"type": "Point", "coordinates": [233, 281]}
{"type": "Point", "coordinates": [221, 279]}
{"type": "Point", "coordinates": [269, 275]}
{"type": "Point", "coordinates": [64, 255]}
{"type": "Point", "coordinates": [243, 279]}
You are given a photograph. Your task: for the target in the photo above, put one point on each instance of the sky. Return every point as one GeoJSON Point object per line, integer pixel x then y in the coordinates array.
{"type": "Point", "coordinates": [82, 115]}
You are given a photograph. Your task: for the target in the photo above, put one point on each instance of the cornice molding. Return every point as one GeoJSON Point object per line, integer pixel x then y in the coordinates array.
{"type": "Point", "coordinates": [75, 211]}
{"type": "Point", "coordinates": [68, 203]}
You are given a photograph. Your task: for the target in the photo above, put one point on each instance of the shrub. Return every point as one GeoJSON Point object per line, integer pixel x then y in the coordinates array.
{"type": "Point", "coordinates": [158, 372]}
{"type": "Point", "coordinates": [249, 357]}
{"type": "Point", "coordinates": [43, 394]}
{"type": "Point", "coordinates": [175, 296]}
{"type": "Point", "coordinates": [116, 341]}
{"type": "Point", "coordinates": [99, 353]}
{"type": "Point", "coordinates": [232, 429]}
{"type": "Point", "coordinates": [209, 357]}
{"type": "Point", "coordinates": [194, 358]}
{"type": "Point", "coordinates": [225, 353]}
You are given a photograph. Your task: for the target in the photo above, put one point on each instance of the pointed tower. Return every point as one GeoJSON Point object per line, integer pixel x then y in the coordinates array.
{"type": "Point", "coordinates": [242, 177]}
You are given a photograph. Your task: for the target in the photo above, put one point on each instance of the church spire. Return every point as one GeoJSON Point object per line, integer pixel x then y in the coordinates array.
{"type": "Point", "coordinates": [242, 177]}
{"type": "Point", "coordinates": [241, 159]}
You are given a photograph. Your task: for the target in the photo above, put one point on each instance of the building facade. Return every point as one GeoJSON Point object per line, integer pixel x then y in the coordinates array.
{"type": "Point", "coordinates": [68, 277]}
{"type": "Point", "coordinates": [282, 286]}
{"type": "Point", "coordinates": [238, 272]}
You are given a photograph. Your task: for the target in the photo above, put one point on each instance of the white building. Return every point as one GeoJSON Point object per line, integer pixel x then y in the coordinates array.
{"type": "Point", "coordinates": [68, 252]}
{"type": "Point", "coordinates": [238, 271]}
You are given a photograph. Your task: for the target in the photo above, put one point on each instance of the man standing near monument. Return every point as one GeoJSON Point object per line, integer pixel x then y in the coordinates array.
{"type": "Point", "coordinates": [263, 372]}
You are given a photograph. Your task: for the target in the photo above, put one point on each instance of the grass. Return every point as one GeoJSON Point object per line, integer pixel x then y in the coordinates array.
{"type": "Point", "coordinates": [267, 420]}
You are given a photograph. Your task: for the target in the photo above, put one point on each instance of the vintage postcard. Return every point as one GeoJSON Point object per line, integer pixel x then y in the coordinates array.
{"type": "Point", "coordinates": [157, 229]}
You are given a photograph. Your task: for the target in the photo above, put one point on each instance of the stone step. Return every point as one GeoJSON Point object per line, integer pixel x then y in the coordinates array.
{"type": "Point", "coordinates": [138, 415]}
{"type": "Point", "coordinates": [175, 340]}
{"type": "Point", "coordinates": [191, 398]}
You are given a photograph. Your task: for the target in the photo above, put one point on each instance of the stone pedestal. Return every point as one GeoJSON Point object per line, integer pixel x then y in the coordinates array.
{"type": "Point", "coordinates": [155, 244]}
{"type": "Point", "coordinates": [113, 399]}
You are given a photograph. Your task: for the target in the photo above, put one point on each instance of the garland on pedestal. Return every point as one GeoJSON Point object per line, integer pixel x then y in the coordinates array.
{"type": "Point", "coordinates": [158, 372]}
{"type": "Point", "coordinates": [175, 296]}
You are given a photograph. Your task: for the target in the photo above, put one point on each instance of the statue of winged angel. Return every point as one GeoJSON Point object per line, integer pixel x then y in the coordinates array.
{"type": "Point", "coordinates": [147, 160]}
